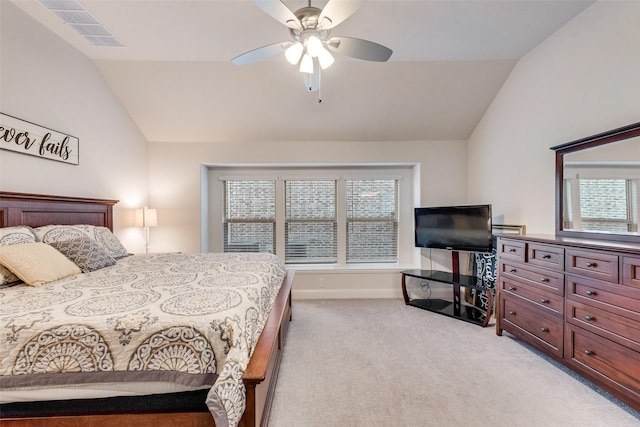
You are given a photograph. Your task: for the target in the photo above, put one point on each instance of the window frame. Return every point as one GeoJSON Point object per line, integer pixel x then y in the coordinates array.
{"type": "Point", "coordinates": [405, 173]}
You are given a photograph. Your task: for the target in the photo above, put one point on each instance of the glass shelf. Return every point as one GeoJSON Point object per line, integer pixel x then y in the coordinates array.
{"type": "Point", "coordinates": [467, 298]}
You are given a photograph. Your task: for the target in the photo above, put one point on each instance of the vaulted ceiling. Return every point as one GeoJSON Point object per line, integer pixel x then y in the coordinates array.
{"type": "Point", "coordinates": [175, 78]}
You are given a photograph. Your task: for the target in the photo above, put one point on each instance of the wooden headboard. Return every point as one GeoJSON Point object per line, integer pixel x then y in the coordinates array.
{"type": "Point", "coordinates": [36, 210]}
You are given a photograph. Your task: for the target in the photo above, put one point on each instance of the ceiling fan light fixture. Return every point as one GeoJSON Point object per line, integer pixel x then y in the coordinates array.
{"type": "Point", "coordinates": [306, 65]}
{"type": "Point", "coordinates": [294, 53]}
{"type": "Point", "coordinates": [325, 59]}
{"type": "Point", "coordinates": [310, 30]}
{"type": "Point", "coordinates": [314, 46]}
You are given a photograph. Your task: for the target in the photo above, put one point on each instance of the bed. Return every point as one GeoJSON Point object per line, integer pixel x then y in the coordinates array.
{"type": "Point", "coordinates": [188, 322]}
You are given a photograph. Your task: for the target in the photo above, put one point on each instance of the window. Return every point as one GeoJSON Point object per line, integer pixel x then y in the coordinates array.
{"type": "Point", "coordinates": [598, 204]}
{"type": "Point", "coordinates": [606, 204]}
{"type": "Point", "coordinates": [372, 220]}
{"type": "Point", "coordinates": [311, 231]}
{"type": "Point", "coordinates": [249, 216]}
{"type": "Point", "coordinates": [333, 216]}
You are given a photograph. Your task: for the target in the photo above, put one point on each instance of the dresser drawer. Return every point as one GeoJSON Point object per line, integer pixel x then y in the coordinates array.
{"type": "Point", "coordinates": [598, 265]}
{"type": "Point", "coordinates": [547, 256]}
{"type": "Point", "coordinates": [511, 249]}
{"type": "Point", "coordinates": [540, 329]}
{"type": "Point", "coordinates": [603, 295]}
{"type": "Point", "coordinates": [631, 272]}
{"type": "Point", "coordinates": [545, 280]}
{"type": "Point", "coordinates": [622, 326]}
{"type": "Point", "coordinates": [609, 359]}
{"type": "Point", "coordinates": [550, 301]}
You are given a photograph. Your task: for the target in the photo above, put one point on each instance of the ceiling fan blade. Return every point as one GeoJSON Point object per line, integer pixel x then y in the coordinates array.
{"type": "Point", "coordinates": [260, 53]}
{"type": "Point", "coordinates": [336, 11]}
{"type": "Point", "coordinates": [279, 12]}
{"type": "Point", "coordinates": [360, 49]}
{"type": "Point", "coordinates": [312, 81]}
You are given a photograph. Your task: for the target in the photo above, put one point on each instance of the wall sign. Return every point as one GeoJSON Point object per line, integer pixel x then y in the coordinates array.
{"type": "Point", "coordinates": [28, 138]}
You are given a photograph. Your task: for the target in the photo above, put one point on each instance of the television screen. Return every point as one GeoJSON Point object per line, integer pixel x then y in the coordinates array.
{"type": "Point", "coordinates": [462, 228]}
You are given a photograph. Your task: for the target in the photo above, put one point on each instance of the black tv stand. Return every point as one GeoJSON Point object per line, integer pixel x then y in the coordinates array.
{"type": "Point", "coordinates": [468, 298]}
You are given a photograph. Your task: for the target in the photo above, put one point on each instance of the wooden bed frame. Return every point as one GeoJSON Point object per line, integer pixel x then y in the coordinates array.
{"type": "Point", "coordinates": [260, 376]}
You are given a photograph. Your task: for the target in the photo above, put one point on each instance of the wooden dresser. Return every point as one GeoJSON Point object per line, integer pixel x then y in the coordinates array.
{"type": "Point", "coordinates": [578, 301]}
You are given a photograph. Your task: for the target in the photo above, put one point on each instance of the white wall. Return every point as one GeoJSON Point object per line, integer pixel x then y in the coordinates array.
{"type": "Point", "coordinates": [45, 81]}
{"type": "Point", "coordinates": [174, 171]}
{"type": "Point", "coordinates": [581, 81]}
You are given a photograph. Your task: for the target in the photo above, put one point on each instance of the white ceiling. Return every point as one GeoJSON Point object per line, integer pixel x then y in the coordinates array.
{"type": "Point", "coordinates": [175, 78]}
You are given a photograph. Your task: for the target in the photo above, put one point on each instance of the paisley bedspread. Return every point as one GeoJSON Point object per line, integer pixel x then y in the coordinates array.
{"type": "Point", "coordinates": [192, 319]}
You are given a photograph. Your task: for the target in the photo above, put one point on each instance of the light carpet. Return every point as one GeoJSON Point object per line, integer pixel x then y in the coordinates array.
{"type": "Point", "coordinates": [378, 362]}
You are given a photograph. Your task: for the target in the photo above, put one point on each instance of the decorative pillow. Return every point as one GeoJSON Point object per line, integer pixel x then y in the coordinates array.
{"type": "Point", "coordinates": [37, 263]}
{"type": "Point", "coordinates": [11, 236]}
{"type": "Point", "coordinates": [84, 252]}
{"type": "Point", "coordinates": [59, 233]}
{"type": "Point", "coordinates": [110, 242]}
{"type": "Point", "coordinates": [102, 235]}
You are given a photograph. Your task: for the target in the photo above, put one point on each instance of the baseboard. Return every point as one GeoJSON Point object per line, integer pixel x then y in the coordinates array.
{"type": "Point", "coordinates": [345, 293]}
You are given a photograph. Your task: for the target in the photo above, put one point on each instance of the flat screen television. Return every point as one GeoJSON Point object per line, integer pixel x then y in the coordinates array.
{"type": "Point", "coordinates": [458, 228]}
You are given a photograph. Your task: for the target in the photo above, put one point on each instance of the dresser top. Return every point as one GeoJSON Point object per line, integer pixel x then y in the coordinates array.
{"type": "Point", "coordinates": [626, 247]}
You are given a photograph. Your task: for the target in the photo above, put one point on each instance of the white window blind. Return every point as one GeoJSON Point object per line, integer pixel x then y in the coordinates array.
{"type": "Point", "coordinates": [568, 205]}
{"type": "Point", "coordinates": [249, 216]}
{"type": "Point", "coordinates": [372, 220]}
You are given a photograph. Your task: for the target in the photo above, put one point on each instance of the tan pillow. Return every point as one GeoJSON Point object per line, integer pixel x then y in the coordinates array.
{"type": "Point", "coordinates": [37, 263]}
{"type": "Point", "coordinates": [13, 236]}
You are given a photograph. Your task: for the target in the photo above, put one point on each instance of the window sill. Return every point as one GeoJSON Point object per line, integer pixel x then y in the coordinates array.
{"type": "Point", "coordinates": [350, 268]}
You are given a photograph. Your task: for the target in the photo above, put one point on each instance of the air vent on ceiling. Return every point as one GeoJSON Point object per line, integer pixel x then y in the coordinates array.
{"type": "Point", "coordinates": [82, 21]}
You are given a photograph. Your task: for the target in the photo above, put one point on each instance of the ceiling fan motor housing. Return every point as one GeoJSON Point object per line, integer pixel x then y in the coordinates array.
{"type": "Point", "coordinates": [308, 17]}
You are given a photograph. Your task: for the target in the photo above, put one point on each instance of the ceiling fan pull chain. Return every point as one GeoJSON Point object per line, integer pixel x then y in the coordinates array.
{"type": "Point", "coordinates": [319, 85]}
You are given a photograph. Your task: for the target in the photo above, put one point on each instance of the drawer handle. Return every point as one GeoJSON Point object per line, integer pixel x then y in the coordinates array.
{"type": "Point", "coordinates": [544, 280]}
{"type": "Point", "coordinates": [591, 264]}
{"type": "Point", "coordinates": [511, 312]}
{"type": "Point", "coordinates": [588, 318]}
{"type": "Point", "coordinates": [544, 300]}
{"type": "Point", "coordinates": [512, 270]}
{"type": "Point", "coordinates": [543, 329]}
{"type": "Point", "coordinates": [512, 250]}
{"type": "Point", "coordinates": [588, 352]}
{"type": "Point", "coordinates": [546, 256]}
{"type": "Point", "coordinates": [512, 288]}
{"type": "Point", "coordinates": [591, 293]}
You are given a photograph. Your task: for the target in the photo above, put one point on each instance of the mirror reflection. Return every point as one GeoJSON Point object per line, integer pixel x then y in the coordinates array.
{"type": "Point", "coordinates": [600, 188]}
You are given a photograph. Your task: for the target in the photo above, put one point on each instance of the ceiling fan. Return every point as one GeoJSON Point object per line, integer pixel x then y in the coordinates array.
{"type": "Point", "coordinates": [310, 29]}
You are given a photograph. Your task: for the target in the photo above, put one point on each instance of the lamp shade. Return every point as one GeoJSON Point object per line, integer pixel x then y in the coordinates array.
{"type": "Point", "coordinates": [314, 46]}
{"type": "Point", "coordinates": [306, 65]}
{"type": "Point", "coordinates": [294, 53]}
{"type": "Point", "coordinates": [146, 217]}
{"type": "Point", "coordinates": [325, 59]}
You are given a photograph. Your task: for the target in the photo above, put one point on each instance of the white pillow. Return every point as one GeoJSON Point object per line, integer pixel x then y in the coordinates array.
{"type": "Point", "coordinates": [60, 233]}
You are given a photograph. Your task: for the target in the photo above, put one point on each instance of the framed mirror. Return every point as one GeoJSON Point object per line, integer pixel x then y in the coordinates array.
{"type": "Point", "coordinates": [598, 186]}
